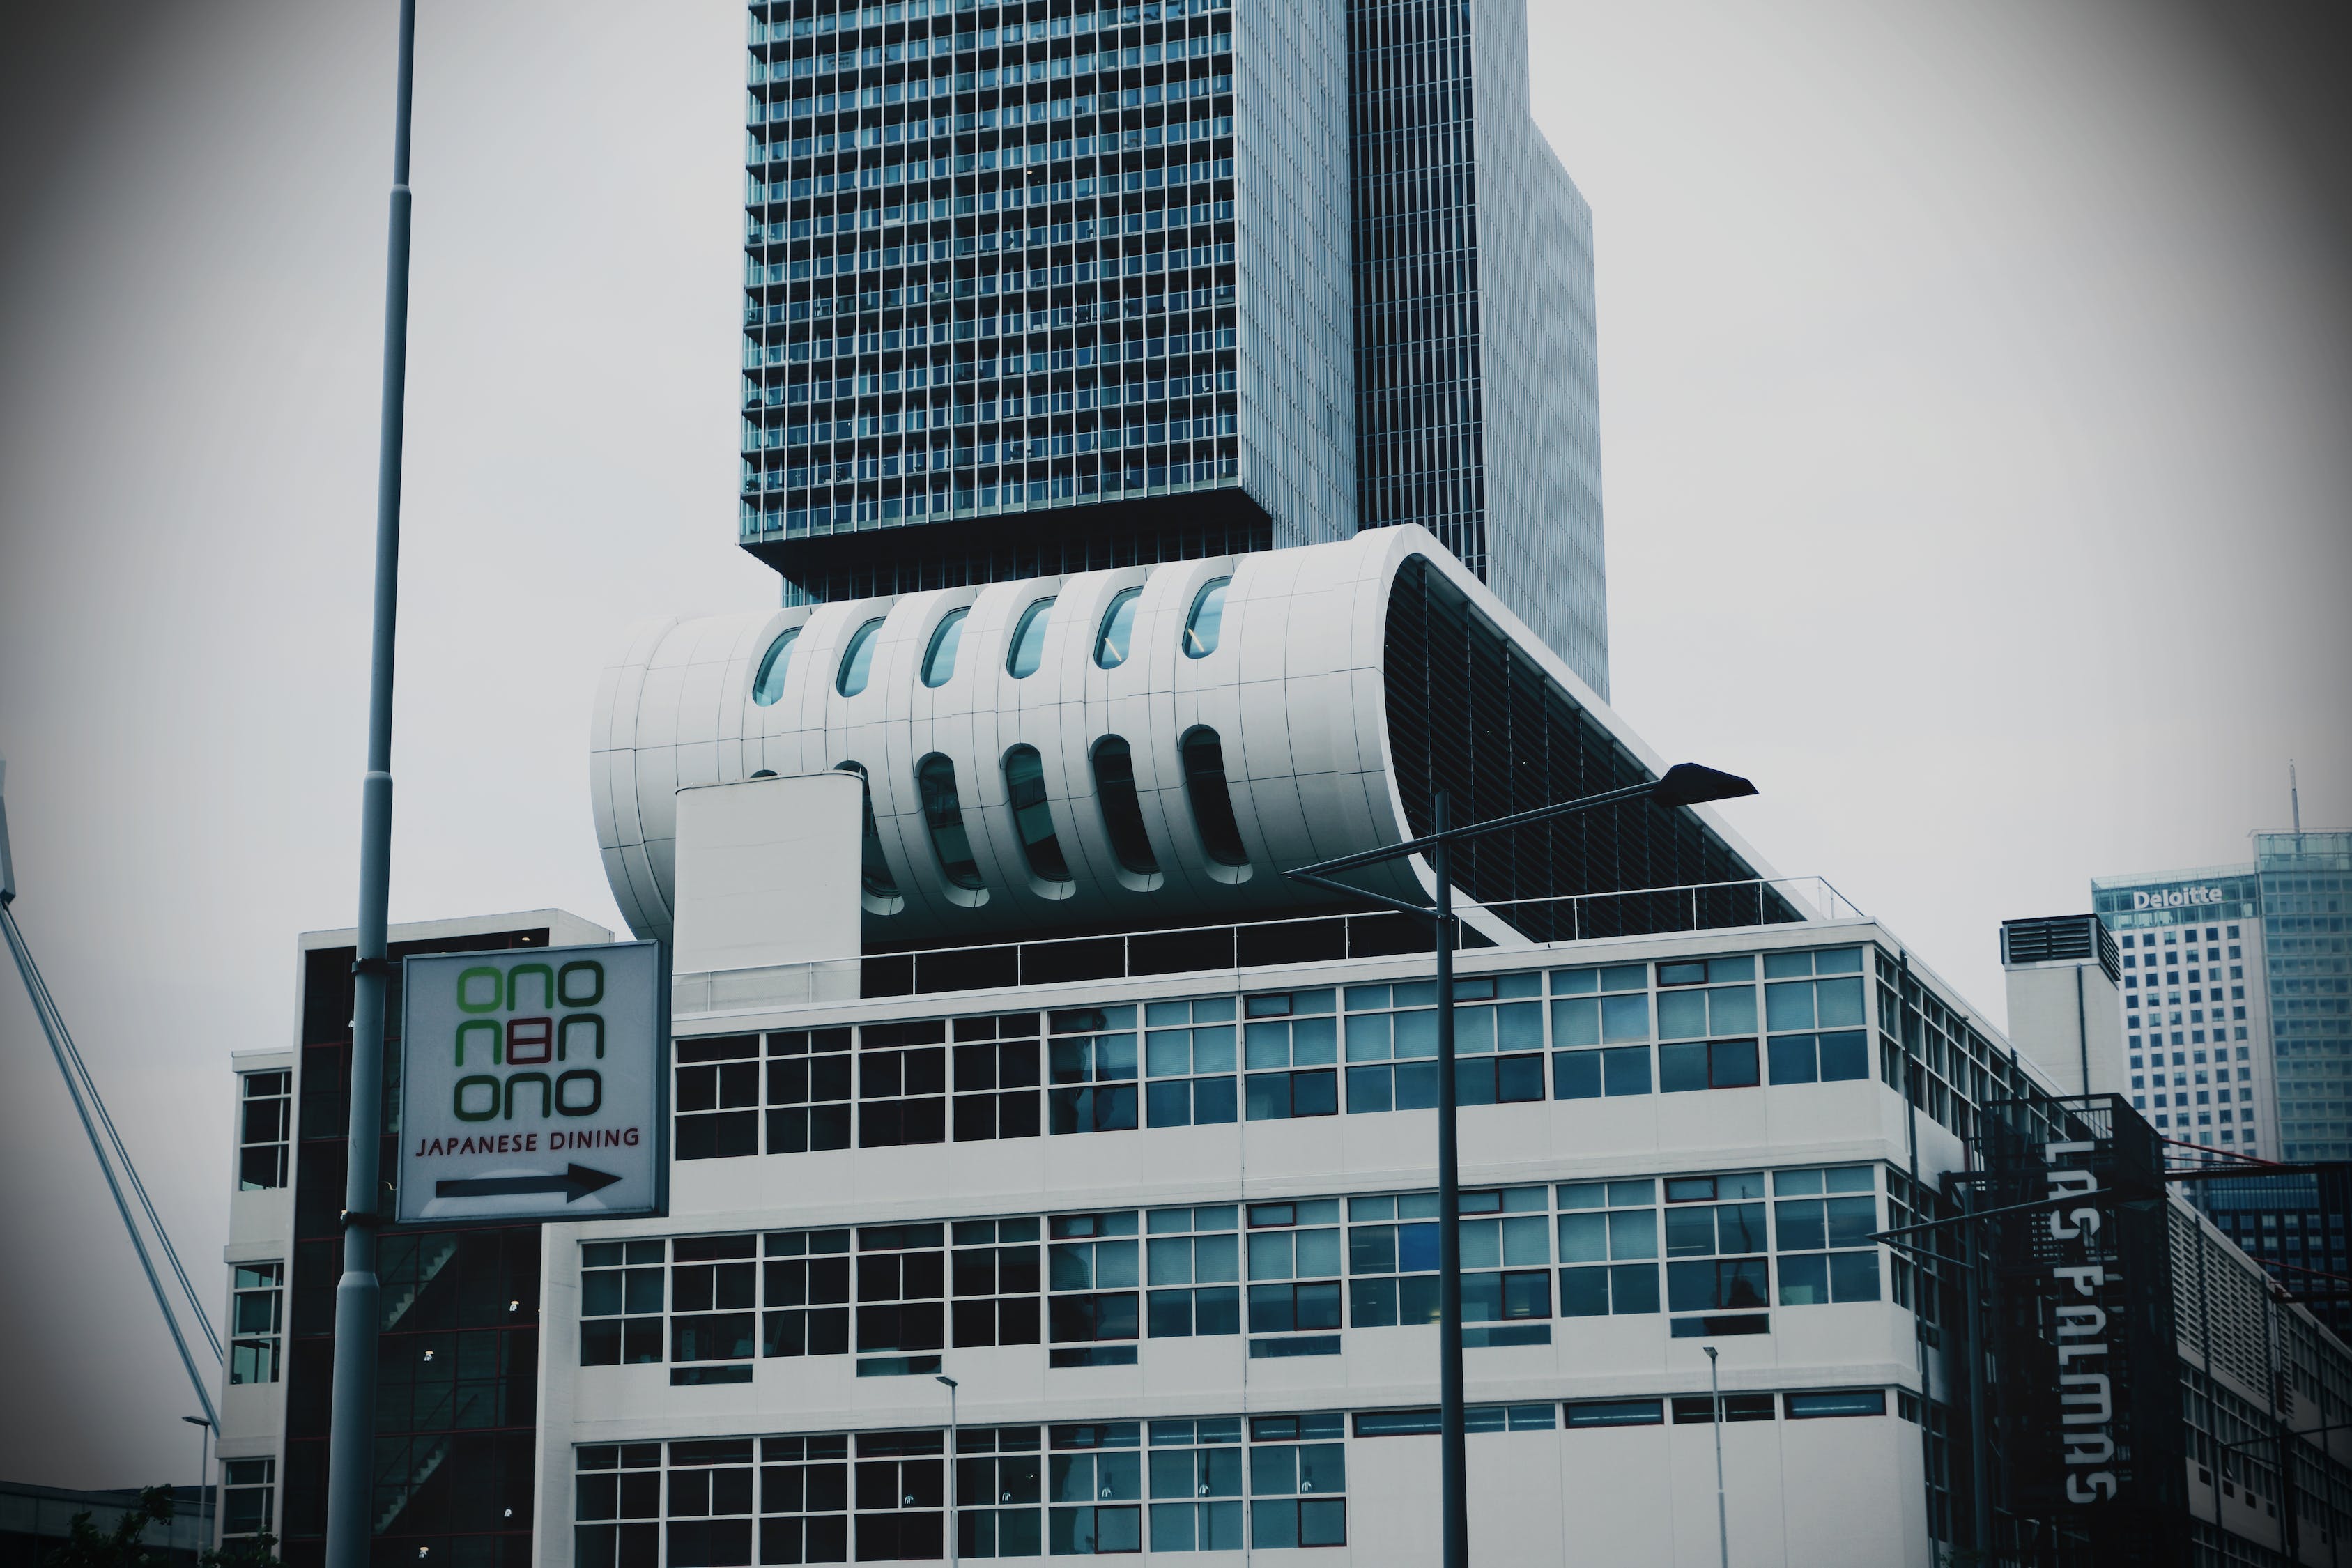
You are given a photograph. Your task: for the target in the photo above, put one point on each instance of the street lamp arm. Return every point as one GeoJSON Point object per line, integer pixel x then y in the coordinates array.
{"type": "Point", "coordinates": [1685, 784]}
{"type": "Point", "coordinates": [1381, 898]}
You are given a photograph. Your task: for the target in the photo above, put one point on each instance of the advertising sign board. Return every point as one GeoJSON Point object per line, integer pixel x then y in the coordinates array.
{"type": "Point", "coordinates": [532, 1084]}
{"type": "Point", "coordinates": [2088, 1404]}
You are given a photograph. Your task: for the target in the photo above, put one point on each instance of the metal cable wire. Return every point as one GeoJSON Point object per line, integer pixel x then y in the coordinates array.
{"type": "Point", "coordinates": [52, 1024]}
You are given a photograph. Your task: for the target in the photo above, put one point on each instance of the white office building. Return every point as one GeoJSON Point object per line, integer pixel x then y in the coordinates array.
{"type": "Point", "coordinates": [1004, 1054]}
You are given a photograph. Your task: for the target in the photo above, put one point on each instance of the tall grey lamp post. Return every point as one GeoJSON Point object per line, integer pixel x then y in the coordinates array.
{"type": "Point", "coordinates": [943, 1377]}
{"type": "Point", "coordinates": [1715, 1403]}
{"type": "Point", "coordinates": [350, 1449]}
{"type": "Point", "coordinates": [1685, 784]}
{"type": "Point", "coordinates": [205, 1513]}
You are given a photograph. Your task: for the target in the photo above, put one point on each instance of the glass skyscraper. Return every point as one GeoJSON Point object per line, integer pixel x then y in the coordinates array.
{"type": "Point", "coordinates": [1477, 385]}
{"type": "Point", "coordinates": [2243, 975]}
{"type": "Point", "coordinates": [2306, 890]}
{"type": "Point", "coordinates": [1035, 287]}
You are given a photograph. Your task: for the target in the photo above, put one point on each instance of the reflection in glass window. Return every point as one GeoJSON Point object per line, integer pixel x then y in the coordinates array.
{"type": "Point", "coordinates": [1117, 634]}
{"type": "Point", "coordinates": [1091, 1312]}
{"type": "Point", "coordinates": [999, 1485]}
{"type": "Point", "coordinates": [1195, 1271]}
{"type": "Point", "coordinates": [1608, 1248]}
{"type": "Point", "coordinates": [1822, 1222]}
{"type": "Point", "coordinates": [1090, 1067]}
{"type": "Point", "coordinates": [935, 775]}
{"type": "Point", "coordinates": [1716, 1255]}
{"type": "Point", "coordinates": [857, 659]}
{"type": "Point", "coordinates": [1122, 811]}
{"type": "Point", "coordinates": [1212, 805]}
{"type": "Point", "coordinates": [1193, 1461]}
{"type": "Point", "coordinates": [1190, 1067]}
{"type": "Point", "coordinates": [774, 665]}
{"type": "Point", "coordinates": [1033, 815]}
{"type": "Point", "coordinates": [1028, 649]}
{"type": "Point", "coordinates": [255, 1310]}
{"type": "Point", "coordinates": [939, 658]}
{"type": "Point", "coordinates": [1207, 620]}
{"type": "Point", "coordinates": [1299, 1476]}
{"type": "Point", "coordinates": [1095, 1483]}
{"type": "Point", "coordinates": [1294, 1255]}
{"type": "Point", "coordinates": [1291, 1046]}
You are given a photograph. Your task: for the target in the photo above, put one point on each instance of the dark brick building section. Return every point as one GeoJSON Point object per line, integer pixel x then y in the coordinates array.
{"type": "Point", "coordinates": [456, 1391]}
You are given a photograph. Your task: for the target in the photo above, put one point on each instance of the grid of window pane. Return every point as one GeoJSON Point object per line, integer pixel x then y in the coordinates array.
{"type": "Point", "coordinates": [1189, 1062]}
{"type": "Point", "coordinates": [1196, 1485]}
{"type": "Point", "coordinates": [994, 1274]}
{"type": "Point", "coordinates": [1091, 1071]}
{"type": "Point", "coordinates": [1822, 1227]}
{"type": "Point", "coordinates": [1094, 1483]}
{"type": "Point", "coordinates": [621, 1297]}
{"type": "Point", "coordinates": [1291, 1047]}
{"type": "Point", "coordinates": [1717, 1273]}
{"type": "Point", "coordinates": [1608, 1247]}
{"type": "Point", "coordinates": [1297, 1481]}
{"type": "Point", "coordinates": [999, 1491]}
{"type": "Point", "coordinates": [264, 1123]}
{"type": "Point", "coordinates": [1294, 1278]}
{"type": "Point", "coordinates": [996, 1077]}
{"type": "Point", "coordinates": [248, 1488]}
{"type": "Point", "coordinates": [804, 1285]}
{"type": "Point", "coordinates": [900, 1481]}
{"type": "Point", "coordinates": [1193, 1261]}
{"type": "Point", "coordinates": [256, 1321]}
{"type": "Point", "coordinates": [1093, 1308]}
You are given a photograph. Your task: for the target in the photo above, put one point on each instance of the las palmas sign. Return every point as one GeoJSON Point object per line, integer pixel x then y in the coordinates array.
{"type": "Point", "coordinates": [532, 1084]}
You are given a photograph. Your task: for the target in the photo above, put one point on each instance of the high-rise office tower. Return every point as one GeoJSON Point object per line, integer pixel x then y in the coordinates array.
{"type": "Point", "coordinates": [2256, 954]}
{"type": "Point", "coordinates": [1477, 387]}
{"type": "Point", "coordinates": [1040, 288]}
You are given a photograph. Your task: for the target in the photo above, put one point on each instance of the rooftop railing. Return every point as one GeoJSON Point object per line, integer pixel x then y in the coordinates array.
{"type": "Point", "coordinates": [1267, 944]}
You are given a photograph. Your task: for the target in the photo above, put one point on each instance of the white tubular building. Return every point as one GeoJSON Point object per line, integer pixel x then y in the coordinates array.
{"type": "Point", "coordinates": [1148, 745]}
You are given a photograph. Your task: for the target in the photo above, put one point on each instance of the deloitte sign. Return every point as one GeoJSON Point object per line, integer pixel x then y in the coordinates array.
{"type": "Point", "coordinates": [532, 1084]}
{"type": "Point", "coordinates": [2177, 899]}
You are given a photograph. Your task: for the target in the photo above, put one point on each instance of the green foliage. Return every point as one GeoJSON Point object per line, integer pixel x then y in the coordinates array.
{"type": "Point", "coordinates": [250, 1551]}
{"type": "Point", "coordinates": [124, 1546]}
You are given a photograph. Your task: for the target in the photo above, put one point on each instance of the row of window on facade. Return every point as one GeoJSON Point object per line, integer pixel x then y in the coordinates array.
{"type": "Point", "coordinates": [1113, 762]}
{"type": "Point", "coordinates": [1208, 1484]}
{"type": "Point", "coordinates": [1276, 1055]}
{"type": "Point", "coordinates": [975, 30]}
{"type": "Point", "coordinates": [1713, 1253]}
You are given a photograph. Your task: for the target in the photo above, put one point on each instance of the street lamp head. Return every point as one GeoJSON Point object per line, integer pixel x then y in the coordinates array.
{"type": "Point", "coordinates": [943, 1377]}
{"type": "Point", "coordinates": [196, 1420]}
{"type": "Point", "coordinates": [1688, 783]}
{"type": "Point", "coordinates": [1709, 1350]}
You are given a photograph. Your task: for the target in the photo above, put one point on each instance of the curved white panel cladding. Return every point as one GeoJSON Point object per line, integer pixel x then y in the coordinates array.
{"type": "Point", "coordinates": [1292, 691]}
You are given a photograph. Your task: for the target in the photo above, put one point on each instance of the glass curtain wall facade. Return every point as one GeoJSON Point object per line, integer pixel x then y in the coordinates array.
{"type": "Point", "coordinates": [2306, 893]}
{"type": "Point", "coordinates": [1035, 287]}
{"type": "Point", "coordinates": [1478, 394]}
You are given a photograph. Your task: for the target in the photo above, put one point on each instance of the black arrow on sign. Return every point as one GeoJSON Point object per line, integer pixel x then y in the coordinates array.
{"type": "Point", "coordinates": [577, 1183]}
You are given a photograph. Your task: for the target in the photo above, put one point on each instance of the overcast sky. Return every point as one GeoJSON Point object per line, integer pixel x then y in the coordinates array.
{"type": "Point", "coordinates": [1976, 416]}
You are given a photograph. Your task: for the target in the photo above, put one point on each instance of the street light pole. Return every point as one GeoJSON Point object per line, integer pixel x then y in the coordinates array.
{"type": "Point", "coordinates": [952, 1542]}
{"type": "Point", "coordinates": [204, 1510]}
{"type": "Point", "coordinates": [1450, 1422]}
{"type": "Point", "coordinates": [1685, 784]}
{"type": "Point", "coordinates": [350, 1449]}
{"type": "Point", "coordinates": [1715, 1399]}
